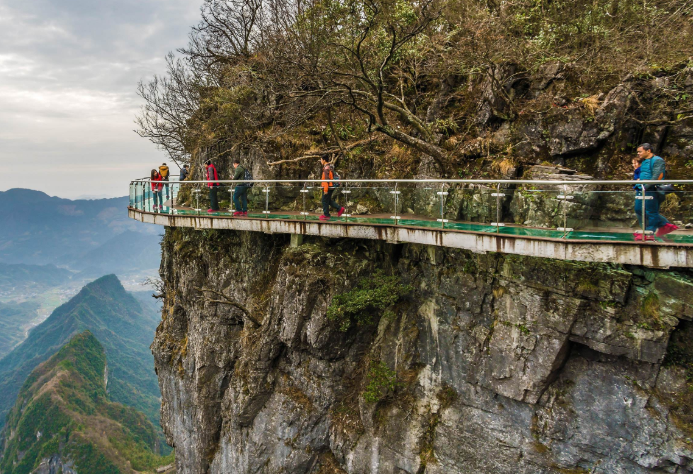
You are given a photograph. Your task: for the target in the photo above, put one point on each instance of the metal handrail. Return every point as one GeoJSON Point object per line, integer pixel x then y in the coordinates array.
{"type": "Point", "coordinates": [451, 181]}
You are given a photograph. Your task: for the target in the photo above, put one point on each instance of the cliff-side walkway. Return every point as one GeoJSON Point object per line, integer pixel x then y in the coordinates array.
{"type": "Point", "coordinates": [577, 208]}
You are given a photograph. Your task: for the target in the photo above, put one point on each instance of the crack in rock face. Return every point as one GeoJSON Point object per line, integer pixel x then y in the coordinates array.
{"type": "Point", "coordinates": [488, 363]}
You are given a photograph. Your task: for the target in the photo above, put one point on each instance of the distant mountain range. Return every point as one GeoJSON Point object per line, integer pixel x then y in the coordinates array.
{"type": "Point", "coordinates": [120, 324]}
{"type": "Point", "coordinates": [13, 319]}
{"type": "Point", "coordinates": [89, 235]}
{"type": "Point", "coordinates": [21, 277]}
{"type": "Point", "coordinates": [64, 420]}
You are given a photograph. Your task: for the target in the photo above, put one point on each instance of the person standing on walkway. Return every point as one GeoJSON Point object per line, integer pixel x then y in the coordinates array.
{"type": "Point", "coordinates": [212, 183]}
{"type": "Point", "coordinates": [157, 185]}
{"type": "Point", "coordinates": [183, 173]}
{"type": "Point", "coordinates": [240, 196]}
{"type": "Point", "coordinates": [653, 167]}
{"type": "Point", "coordinates": [327, 190]}
{"type": "Point", "coordinates": [163, 171]}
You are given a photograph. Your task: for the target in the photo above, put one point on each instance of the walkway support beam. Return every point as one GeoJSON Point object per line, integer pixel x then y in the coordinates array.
{"type": "Point", "coordinates": [626, 253]}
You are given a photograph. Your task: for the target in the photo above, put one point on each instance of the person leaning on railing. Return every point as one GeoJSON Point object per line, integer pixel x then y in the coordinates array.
{"type": "Point", "coordinates": [653, 167]}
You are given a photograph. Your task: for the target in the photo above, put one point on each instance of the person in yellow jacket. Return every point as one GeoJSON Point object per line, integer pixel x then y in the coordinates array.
{"type": "Point", "coordinates": [163, 171]}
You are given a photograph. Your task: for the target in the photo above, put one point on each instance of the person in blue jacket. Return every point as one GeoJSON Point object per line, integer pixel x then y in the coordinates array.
{"type": "Point", "coordinates": [651, 168]}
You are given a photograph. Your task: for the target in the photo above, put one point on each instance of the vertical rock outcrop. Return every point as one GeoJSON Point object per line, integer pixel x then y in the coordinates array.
{"type": "Point", "coordinates": [491, 363]}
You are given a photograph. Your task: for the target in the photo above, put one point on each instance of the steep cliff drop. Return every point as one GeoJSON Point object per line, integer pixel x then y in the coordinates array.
{"type": "Point", "coordinates": [281, 359]}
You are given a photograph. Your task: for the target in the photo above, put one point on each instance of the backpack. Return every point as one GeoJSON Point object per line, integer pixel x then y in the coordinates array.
{"type": "Point", "coordinates": [247, 177]}
{"type": "Point", "coordinates": [335, 178]}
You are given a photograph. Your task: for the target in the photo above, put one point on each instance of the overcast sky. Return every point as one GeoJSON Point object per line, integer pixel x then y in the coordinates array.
{"type": "Point", "coordinates": [68, 77]}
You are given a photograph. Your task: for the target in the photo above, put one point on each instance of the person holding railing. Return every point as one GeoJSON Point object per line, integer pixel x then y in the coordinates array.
{"type": "Point", "coordinates": [212, 183]}
{"type": "Point", "coordinates": [157, 186]}
{"type": "Point", "coordinates": [653, 167]}
{"type": "Point", "coordinates": [327, 190]}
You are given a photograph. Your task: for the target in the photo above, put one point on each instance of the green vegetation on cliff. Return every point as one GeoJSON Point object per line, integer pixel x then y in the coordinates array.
{"type": "Point", "coordinates": [63, 409]}
{"type": "Point", "coordinates": [474, 87]}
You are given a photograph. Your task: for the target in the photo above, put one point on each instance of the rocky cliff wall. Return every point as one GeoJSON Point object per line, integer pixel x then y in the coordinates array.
{"type": "Point", "coordinates": [451, 362]}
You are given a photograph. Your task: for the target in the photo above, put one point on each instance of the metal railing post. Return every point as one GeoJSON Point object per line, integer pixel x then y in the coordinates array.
{"type": "Point", "coordinates": [442, 193]}
{"type": "Point", "coordinates": [304, 191]}
{"type": "Point", "coordinates": [498, 224]}
{"type": "Point", "coordinates": [346, 191]}
{"type": "Point", "coordinates": [564, 198]}
{"type": "Point", "coordinates": [396, 193]}
{"type": "Point", "coordinates": [266, 212]}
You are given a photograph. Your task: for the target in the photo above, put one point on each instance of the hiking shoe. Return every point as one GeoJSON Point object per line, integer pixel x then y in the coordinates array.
{"type": "Point", "coordinates": [638, 237]}
{"type": "Point", "coordinates": [237, 213]}
{"type": "Point", "coordinates": [211, 210]}
{"type": "Point", "coordinates": [341, 211]}
{"type": "Point", "coordinates": [666, 229]}
{"type": "Point", "coordinates": [324, 218]}
{"type": "Point", "coordinates": [245, 213]}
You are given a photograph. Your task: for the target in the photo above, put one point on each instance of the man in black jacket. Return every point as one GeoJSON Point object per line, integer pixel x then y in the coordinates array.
{"type": "Point", "coordinates": [240, 198]}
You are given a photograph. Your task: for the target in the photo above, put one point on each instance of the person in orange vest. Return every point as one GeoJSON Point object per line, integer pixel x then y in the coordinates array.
{"type": "Point", "coordinates": [163, 171]}
{"type": "Point", "coordinates": [213, 184]}
{"type": "Point", "coordinates": [327, 190]}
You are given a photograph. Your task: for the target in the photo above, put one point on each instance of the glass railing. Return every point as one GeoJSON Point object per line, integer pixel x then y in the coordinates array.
{"type": "Point", "coordinates": [576, 210]}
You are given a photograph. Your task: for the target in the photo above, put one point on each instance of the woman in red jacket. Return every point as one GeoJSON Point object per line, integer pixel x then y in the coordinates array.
{"type": "Point", "coordinates": [157, 186]}
{"type": "Point", "coordinates": [212, 182]}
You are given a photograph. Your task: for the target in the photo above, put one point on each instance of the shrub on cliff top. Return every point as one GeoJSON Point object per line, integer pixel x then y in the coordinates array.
{"type": "Point", "coordinates": [371, 295]}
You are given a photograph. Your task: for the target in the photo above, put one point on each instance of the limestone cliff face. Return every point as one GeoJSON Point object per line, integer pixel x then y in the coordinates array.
{"type": "Point", "coordinates": [489, 364]}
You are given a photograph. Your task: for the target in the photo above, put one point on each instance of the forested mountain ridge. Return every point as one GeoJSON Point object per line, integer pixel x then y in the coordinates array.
{"type": "Point", "coordinates": [63, 420]}
{"type": "Point", "coordinates": [124, 330]}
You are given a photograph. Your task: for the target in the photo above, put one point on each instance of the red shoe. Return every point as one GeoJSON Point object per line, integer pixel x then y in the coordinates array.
{"type": "Point", "coordinates": [637, 236]}
{"type": "Point", "coordinates": [666, 229]}
{"type": "Point", "coordinates": [245, 213]}
{"type": "Point", "coordinates": [237, 213]}
{"type": "Point", "coordinates": [341, 211]}
{"type": "Point", "coordinates": [211, 210]}
{"type": "Point", "coordinates": [324, 218]}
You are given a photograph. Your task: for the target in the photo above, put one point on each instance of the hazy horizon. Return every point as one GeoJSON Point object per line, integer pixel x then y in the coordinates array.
{"type": "Point", "coordinates": [68, 78]}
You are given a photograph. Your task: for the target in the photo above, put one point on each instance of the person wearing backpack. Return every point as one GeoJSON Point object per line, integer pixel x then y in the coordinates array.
{"type": "Point", "coordinates": [157, 185]}
{"type": "Point", "coordinates": [240, 197]}
{"type": "Point", "coordinates": [213, 184]}
{"type": "Point", "coordinates": [163, 171]}
{"type": "Point", "coordinates": [328, 186]}
{"type": "Point", "coordinates": [653, 167]}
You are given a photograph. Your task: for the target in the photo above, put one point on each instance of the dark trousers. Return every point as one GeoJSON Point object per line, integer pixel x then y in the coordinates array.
{"type": "Point", "coordinates": [327, 201]}
{"type": "Point", "coordinates": [240, 198]}
{"type": "Point", "coordinates": [213, 201]}
{"type": "Point", "coordinates": [653, 219]}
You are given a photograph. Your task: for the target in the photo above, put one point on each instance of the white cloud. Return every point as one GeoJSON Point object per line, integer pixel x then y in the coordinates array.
{"type": "Point", "coordinates": [68, 75]}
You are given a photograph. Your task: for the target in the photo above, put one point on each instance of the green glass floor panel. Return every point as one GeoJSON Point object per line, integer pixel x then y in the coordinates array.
{"type": "Point", "coordinates": [431, 224]}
